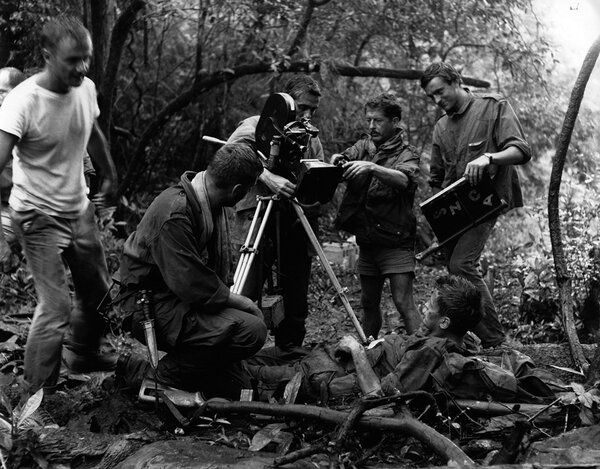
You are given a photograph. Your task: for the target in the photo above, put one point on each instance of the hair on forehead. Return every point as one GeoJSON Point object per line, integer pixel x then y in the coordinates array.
{"type": "Point", "coordinates": [300, 84]}
{"type": "Point", "coordinates": [442, 70]}
{"type": "Point", "coordinates": [62, 27]}
{"type": "Point", "coordinates": [386, 103]}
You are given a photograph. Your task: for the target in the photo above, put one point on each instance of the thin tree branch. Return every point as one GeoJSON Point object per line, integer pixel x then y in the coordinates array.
{"type": "Point", "coordinates": [303, 28]}
{"type": "Point", "coordinates": [563, 278]}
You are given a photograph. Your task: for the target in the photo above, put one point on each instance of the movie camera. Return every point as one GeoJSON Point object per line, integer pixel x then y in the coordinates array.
{"type": "Point", "coordinates": [286, 141]}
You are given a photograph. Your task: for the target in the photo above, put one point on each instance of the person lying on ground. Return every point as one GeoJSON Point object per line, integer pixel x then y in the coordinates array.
{"type": "Point", "coordinates": [439, 361]}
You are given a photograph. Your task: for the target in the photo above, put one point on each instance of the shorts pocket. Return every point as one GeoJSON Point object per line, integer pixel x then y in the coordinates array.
{"type": "Point", "coordinates": [382, 234]}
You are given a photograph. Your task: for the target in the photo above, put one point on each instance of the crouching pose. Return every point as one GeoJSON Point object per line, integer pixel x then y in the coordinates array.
{"type": "Point", "coordinates": [178, 256]}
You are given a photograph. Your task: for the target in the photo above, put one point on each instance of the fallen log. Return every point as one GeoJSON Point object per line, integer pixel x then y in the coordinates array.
{"type": "Point", "coordinates": [441, 445]}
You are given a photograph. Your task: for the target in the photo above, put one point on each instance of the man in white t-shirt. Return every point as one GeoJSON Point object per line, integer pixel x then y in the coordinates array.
{"type": "Point", "coordinates": [47, 123]}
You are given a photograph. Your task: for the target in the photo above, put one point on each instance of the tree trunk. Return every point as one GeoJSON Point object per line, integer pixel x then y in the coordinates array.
{"type": "Point", "coordinates": [562, 276]}
{"type": "Point", "coordinates": [101, 23]}
{"type": "Point", "coordinates": [117, 40]}
{"type": "Point", "coordinates": [302, 30]}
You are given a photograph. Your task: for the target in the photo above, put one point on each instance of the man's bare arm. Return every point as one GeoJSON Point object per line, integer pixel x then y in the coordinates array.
{"type": "Point", "coordinates": [509, 156]}
{"type": "Point", "coordinates": [389, 176]}
{"type": "Point", "coordinates": [367, 379]}
{"type": "Point", "coordinates": [278, 184]}
{"type": "Point", "coordinates": [98, 150]}
{"type": "Point", "coordinates": [7, 142]}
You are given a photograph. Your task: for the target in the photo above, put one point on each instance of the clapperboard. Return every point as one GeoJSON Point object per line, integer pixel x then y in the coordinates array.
{"type": "Point", "coordinates": [458, 208]}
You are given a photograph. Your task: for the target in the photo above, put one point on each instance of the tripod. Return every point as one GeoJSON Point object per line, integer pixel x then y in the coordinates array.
{"type": "Point", "coordinates": [251, 246]}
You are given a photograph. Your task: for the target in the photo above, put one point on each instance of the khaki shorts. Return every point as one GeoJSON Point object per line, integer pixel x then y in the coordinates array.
{"type": "Point", "coordinates": [378, 261]}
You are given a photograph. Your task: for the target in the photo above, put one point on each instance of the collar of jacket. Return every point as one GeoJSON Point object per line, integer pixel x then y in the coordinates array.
{"type": "Point", "coordinates": [466, 104]}
{"type": "Point", "coordinates": [190, 193]}
{"type": "Point", "coordinates": [391, 145]}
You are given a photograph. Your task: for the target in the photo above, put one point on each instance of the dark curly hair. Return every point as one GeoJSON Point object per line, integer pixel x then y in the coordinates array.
{"type": "Point", "coordinates": [460, 300]}
{"type": "Point", "coordinates": [387, 103]}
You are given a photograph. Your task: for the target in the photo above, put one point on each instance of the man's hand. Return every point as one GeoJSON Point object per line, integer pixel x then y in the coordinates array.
{"type": "Point", "coordinates": [475, 169]}
{"type": "Point", "coordinates": [278, 184]}
{"type": "Point", "coordinates": [348, 344]}
{"type": "Point", "coordinates": [243, 303]}
{"type": "Point", "coordinates": [338, 159]}
{"type": "Point", "coordinates": [366, 377]}
{"type": "Point", "coordinates": [357, 168]}
{"type": "Point", "coordinates": [105, 195]}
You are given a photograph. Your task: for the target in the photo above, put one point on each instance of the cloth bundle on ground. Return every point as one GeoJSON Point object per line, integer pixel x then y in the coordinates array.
{"type": "Point", "coordinates": [406, 364]}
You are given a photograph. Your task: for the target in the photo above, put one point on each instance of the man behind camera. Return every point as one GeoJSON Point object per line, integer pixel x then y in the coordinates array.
{"type": "Point", "coordinates": [381, 173]}
{"type": "Point", "coordinates": [294, 248]}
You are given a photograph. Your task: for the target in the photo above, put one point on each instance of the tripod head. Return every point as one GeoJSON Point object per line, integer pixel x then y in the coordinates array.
{"type": "Point", "coordinates": [287, 142]}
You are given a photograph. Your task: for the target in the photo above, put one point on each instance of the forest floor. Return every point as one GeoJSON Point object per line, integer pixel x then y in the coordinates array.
{"type": "Point", "coordinates": [94, 423]}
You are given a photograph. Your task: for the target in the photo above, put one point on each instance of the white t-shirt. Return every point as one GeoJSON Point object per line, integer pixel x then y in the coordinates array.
{"type": "Point", "coordinates": [53, 131]}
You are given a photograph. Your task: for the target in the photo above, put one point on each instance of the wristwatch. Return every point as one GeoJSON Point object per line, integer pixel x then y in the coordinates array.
{"type": "Point", "coordinates": [489, 157]}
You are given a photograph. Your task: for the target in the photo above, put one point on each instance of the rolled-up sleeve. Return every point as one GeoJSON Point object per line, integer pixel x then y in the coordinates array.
{"type": "Point", "coordinates": [508, 131]}
{"type": "Point", "coordinates": [408, 163]}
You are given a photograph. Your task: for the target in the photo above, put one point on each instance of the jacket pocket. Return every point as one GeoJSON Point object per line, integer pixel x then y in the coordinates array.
{"type": "Point", "coordinates": [477, 148]}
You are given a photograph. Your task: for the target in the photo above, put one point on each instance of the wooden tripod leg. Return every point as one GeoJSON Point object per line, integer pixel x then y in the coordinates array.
{"type": "Point", "coordinates": [336, 284]}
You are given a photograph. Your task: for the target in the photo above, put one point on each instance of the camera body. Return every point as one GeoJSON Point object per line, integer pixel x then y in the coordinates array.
{"type": "Point", "coordinates": [285, 142]}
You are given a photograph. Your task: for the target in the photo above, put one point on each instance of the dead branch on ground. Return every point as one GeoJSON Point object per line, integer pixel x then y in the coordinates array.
{"type": "Point", "coordinates": [441, 445]}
